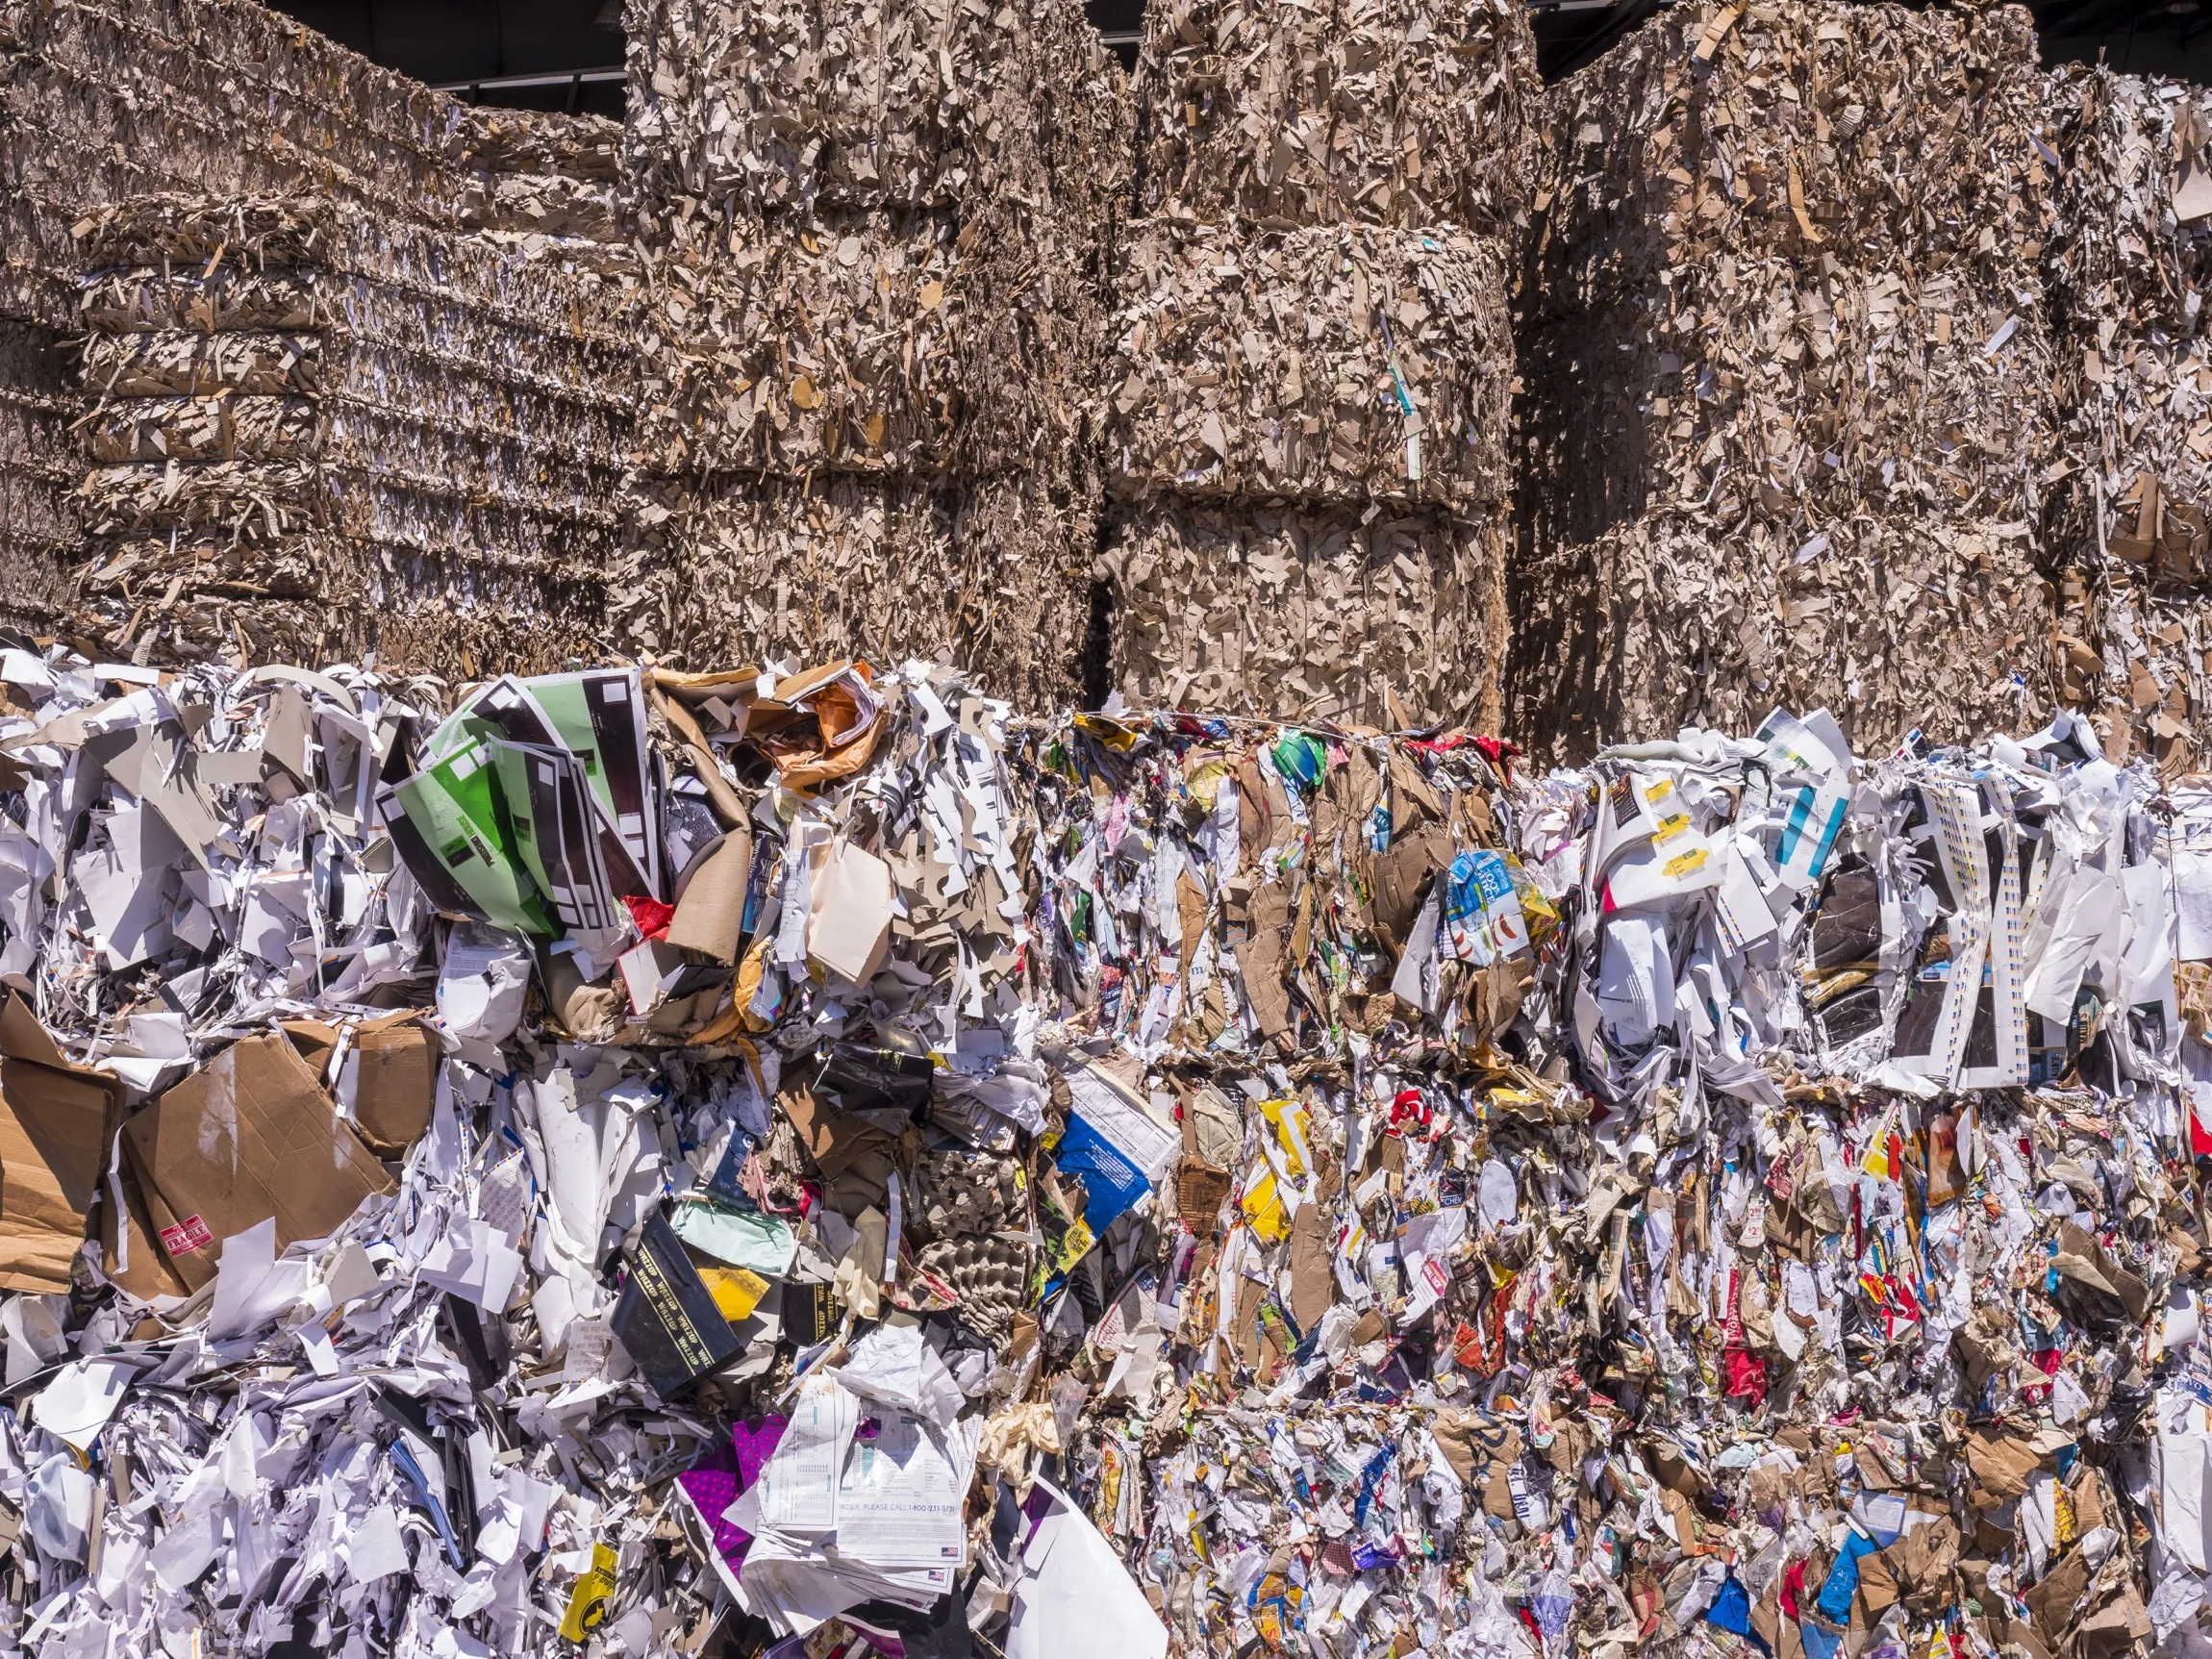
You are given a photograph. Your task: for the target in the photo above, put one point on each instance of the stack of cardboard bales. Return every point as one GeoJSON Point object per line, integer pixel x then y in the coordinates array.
{"type": "Point", "coordinates": [1790, 426]}
{"type": "Point", "coordinates": [104, 100]}
{"type": "Point", "coordinates": [311, 426]}
{"type": "Point", "coordinates": [1310, 386]}
{"type": "Point", "coordinates": [429, 474]}
{"type": "Point", "coordinates": [2130, 270]}
{"type": "Point", "coordinates": [877, 240]}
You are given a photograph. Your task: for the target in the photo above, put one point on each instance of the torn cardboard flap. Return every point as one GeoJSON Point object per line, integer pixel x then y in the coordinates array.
{"type": "Point", "coordinates": [250, 1136]}
{"type": "Point", "coordinates": [56, 1121]}
{"type": "Point", "coordinates": [388, 1073]}
{"type": "Point", "coordinates": [711, 904]}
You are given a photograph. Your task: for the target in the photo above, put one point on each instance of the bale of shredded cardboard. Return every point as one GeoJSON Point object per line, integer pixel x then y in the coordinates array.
{"type": "Point", "coordinates": [2130, 265]}
{"type": "Point", "coordinates": [876, 340]}
{"type": "Point", "coordinates": [1325, 111]}
{"type": "Point", "coordinates": [1791, 428]}
{"type": "Point", "coordinates": [780, 107]}
{"type": "Point", "coordinates": [995, 574]}
{"type": "Point", "coordinates": [1369, 615]}
{"type": "Point", "coordinates": [197, 159]}
{"type": "Point", "coordinates": [1872, 134]}
{"type": "Point", "coordinates": [876, 243]}
{"type": "Point", "coordinates": [1329, 364]}
{"type": "Point", "coordinates": [831, 342]}
{"type": "Point", "coordinates": [439, 422]}
{"type": "Point", "coordinates": [101, 102]}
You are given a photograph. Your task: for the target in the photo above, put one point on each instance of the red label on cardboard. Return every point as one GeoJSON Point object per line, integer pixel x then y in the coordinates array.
{"type": "Point", "coordinates": [188, 1235]}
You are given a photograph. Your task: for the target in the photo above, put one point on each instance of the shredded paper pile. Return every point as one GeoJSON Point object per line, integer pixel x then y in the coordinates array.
{"type": "Point", "coordinates": [817, 1159]}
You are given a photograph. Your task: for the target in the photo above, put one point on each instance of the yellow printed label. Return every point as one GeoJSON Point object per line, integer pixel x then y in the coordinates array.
{"type": "Point", "coordinates": [1670, 826]}
{"type": "Point", "coordinates": [1683, 863]}
{"type": "Point", "coordinates": [587, 1601]}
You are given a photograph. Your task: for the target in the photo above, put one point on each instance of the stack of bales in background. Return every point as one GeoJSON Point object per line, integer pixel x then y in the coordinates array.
{"type": "Point", "coordinates": [2132, 278]}
{"type": "Point", "coordinates": [111, 99]}
{"type": "Point", "coordinates": [313, 429]}
{"type": "Point", "coordinates": [1789, 427]}
{"type": "Point", "coordinates": [430, 474]}
{"type": "Point", "coordinates": [1310, 386]}
{"type": "Point", "coordinates": [877, 240]}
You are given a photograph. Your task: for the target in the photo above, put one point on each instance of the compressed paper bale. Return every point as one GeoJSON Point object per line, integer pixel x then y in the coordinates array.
{"type": "Point", "coordinates": [1767, 484]}
{"type": "Point", "coordinates": [2131, 153]}
{"type": "Point", "coordinates": [448, 361]}
{"type": "Point", "coordinates": [243, 500]}
{"type": "Point", "coordinates": [855, 102]}
{"type": "Point", "coordinates": [39, 470]}
{"type": "Point", "coordinates": [2127, 292]}
{"type": "Point", "coordinates": [2128, 533]}
{"type": "Point", "coordinates": [217, 97]}
{"type": "Point", "coordinates": [143, 569]}
{"type": "Point", "coordinates": [829, 344]}
{"type": "Point", "coordinates": [401, 391]}
{"type": "Point", "coordinates": [2130, 651]}
{"type": "Point", "coordinates": [480, 374]}
{"type": "Point", "coordinates": [204, 429]}
{"type": "Point", "coordinates": [1871, 133]}
{"type": "Point", "coordinates": [1315, 111]}
{"type": "Point", "coordinates": [1280, 364]}
{"type": "Point", "coordinates": [540, 286]}
{"type": "Point", "coordinates": [1316, 612]}
{"type": "Point", "coordinates": [148, 299]}
{"type": "Point", "coordinates": [995, 575]}
{"type": "Point", "coordinates": [783, 104]}
{"type": "Point", "coordinates": [516, 464]}
{"type": "Point", "coordinates": [181, 364]}
{"type": "Point", "coordinates": [493, 142]}
{"type": "Point", "coordinates": [1772, 388]}
{"type": "Point", "coordinates": [259, 73]}
{"type": "Point", "coordinates": [543, 205]}
{"type": "Point", "coordinates": [879, 342]}
{"type": "Point", "coordinates": [464, 441]}
{"type": "Point", "coordinates": [1792, 432]}
{"type": "Point", "coordinates": [1919, 621]}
